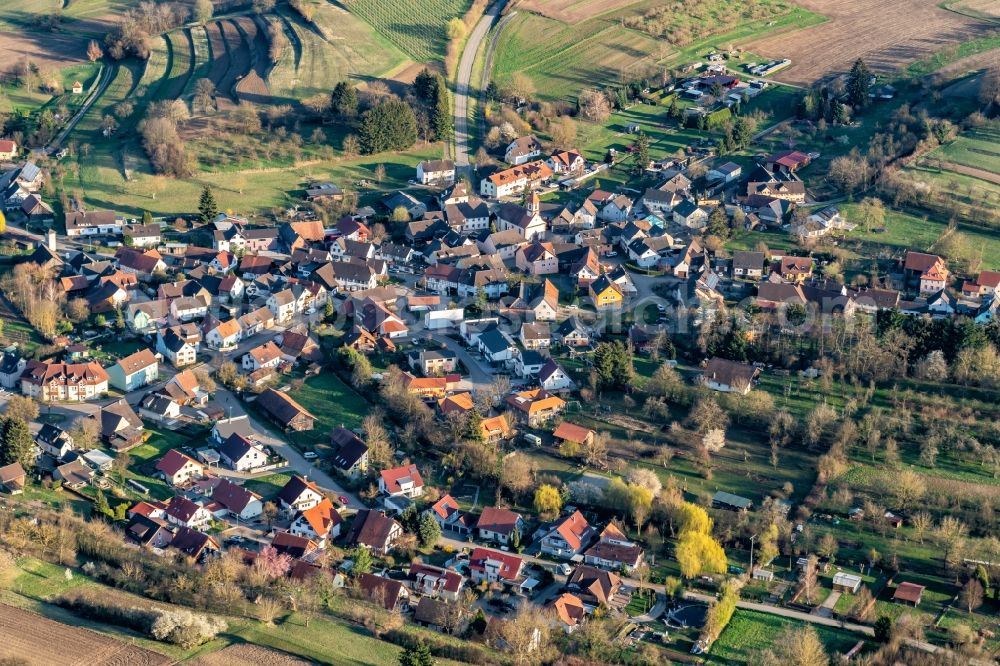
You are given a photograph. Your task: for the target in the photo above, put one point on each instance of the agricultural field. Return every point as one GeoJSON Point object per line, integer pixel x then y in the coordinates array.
{"type": "Point", "coordinates": [563, 57]}
{"type": "Point", "coordinates": [749, 631]}
{"type": "Point", "coordinates": [986, 9]}
{"type": "Point", "coordinates": [36, 639]}
{"type": "Point", "coordinates": [888, 36]}
{"type": "Point", "coordinates": [977, 149]}
{"type": "Point", "coordinates": [419, 34]}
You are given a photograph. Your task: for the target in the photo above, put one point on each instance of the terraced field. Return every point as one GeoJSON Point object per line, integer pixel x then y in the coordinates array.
{"type": "Point", "coordinates": [420, 34]}
{"type": "Point", "coordinates": [181, 64]}
{"type": "Point", "coordinates": [125, 80]}
{"type": "Point", "coordinates": [977, 149]}
{"type": "Point", "coordinates": [337, 47]}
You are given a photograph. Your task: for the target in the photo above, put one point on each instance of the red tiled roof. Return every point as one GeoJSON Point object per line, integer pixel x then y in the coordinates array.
{"type": "Point", "coordinates": [501, 521]}
{"type": "Point", "coordinates": [392, 477]}
{"type": "Point", "coordinates": [173, 461]}
{"type": "Point", "coordinates": [510, 565]}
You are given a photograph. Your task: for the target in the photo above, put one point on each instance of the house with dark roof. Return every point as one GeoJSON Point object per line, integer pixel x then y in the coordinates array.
{"type": "Point", "coordinates": [374, 530]}
{"type": "Point", "coordinates": [430, 581]}
{"type": "Point", "coordinates": [237, 500]}
{"type": "Point", "coordinates": [195, 544]}
{"type": "Point", "coordinates": [240, 454]}
{"type": "Point", "coordinates": [13, 478]}
{"type": "Point", "coordinates": [148, 531]}
{"type": "Point", "coordinates": [294, 545]}
{"type": "Point", "coordinates": [350, 455]}
{"type": "Point", "coordinates": [298, 494]}
{"type": "Point", "coordinates": [439, 172]}
{"type": "Point", "coordinates": [613, 550]}
{"type": "Point", "coordinates": [178, 468]}
{"type": "Point", "coordinates": [186, 513]}
{"type": "Point", "coordinates": [284, 411]}
{"type": "Point", "coordinates": [728, 376]}
{"type": "Point", "coordinates": [54, 441]}
{"type": "Point", "coordinates": [385, 592]}
{"type": "Point", "coordinates": [121, 427]}
{"type": "Point", "coordinates": [595, 587]}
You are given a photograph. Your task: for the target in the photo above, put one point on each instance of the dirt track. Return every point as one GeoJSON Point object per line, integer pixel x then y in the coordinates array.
{"type": "Point", "coordinates": [244, 654]}
{"type": "Point", "coordinates": [39, 640]}
{"type": "Point", "coordinates": [888, 34]}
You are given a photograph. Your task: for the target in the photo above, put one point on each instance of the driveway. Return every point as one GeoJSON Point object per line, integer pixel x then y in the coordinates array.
{"type": "Point", "coordinates": [480, 377]}
{"type": "Point", "coordinates": [464, 79]}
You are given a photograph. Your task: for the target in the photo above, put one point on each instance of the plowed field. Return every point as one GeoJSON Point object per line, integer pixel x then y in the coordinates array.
{"type": "Point", "coordinates": [887, 34]}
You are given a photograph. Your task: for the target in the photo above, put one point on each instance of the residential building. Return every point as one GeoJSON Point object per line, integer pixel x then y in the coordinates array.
{"type": "Point", "coordinates": [613, 550]}
{"type": "Point", "coordinates": [402, 481]}
{"type": "Point", "coordinates": [521, 150]}
{"type": "Point", "coordinates": [185, 513]}
{"type": "Point", "coordinates": [237, 500]}
{"type": "Point", "coordinates": [493, 566]}
{"type": "Point", "coordinates": [298, 495]}
{"type": "Point", "coordinates": [318, 523]}
{"type": "Point", "coordinates": [134, 371]}
{"type": "Point", "coordinates": [568, 536]}
{"type": "Point", "coordinates": [178, 469]}
{"type": "Point", "coordinates": [728, 376]}
{"type": "Point", "coordinates": [350, 453]}
{"type": "Point", "coordinates": [438, 172]}
{"type": "Point", "coordinates": [499, 525]}
{"type": "Point", "coordinates": [63, 382]}
{"type": "Point", "coordinates": [375, 531]}
{"type": "Point", "coordinates": [242, 455]}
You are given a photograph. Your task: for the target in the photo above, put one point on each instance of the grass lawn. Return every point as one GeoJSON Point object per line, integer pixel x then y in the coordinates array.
{"type": "Point", "coordinates": [332, 402]}
{"type": "Point", "coordinates": [750, 630]}
{"type": "Point", "coordinates": [640, 603]}
{"type": "Point", "coordinates": [267, 486]}
{"type": "Point", "coordinates": [420, 34]}
{"type": "Point", "coordinates": [103, 188]}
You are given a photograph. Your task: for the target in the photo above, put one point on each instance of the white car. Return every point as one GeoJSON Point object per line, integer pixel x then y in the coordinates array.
{"type": "Point", "coordinates": [311, 311]}
{"type": "Point", "coordinates": [310, 455]}
{"type": "Point", "coordinates": [611, 254]}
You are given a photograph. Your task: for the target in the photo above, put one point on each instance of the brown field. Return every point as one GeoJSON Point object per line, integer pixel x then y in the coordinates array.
{"type": "Point", "coordinates": [887, 34]}
{"type": "Point", "coordinates": [52, 50]}
{"type": "Point", "coordinates": [40, 641]}
{"type": "Point", "coordinates": [978, 7]}
{"type": "Point", "coordinates": [246, 654]}
{"type": "Point", "coordinates": [574, 11]}
{"type": "Point", "coordinates": [981, 174]}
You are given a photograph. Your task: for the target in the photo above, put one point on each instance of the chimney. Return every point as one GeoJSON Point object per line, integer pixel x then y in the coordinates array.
{"type": "Point", "coordinates": [52, 241]}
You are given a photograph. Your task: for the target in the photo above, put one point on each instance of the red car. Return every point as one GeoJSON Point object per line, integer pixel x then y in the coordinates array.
{"type": "Point", "coordinates": [342, 499]}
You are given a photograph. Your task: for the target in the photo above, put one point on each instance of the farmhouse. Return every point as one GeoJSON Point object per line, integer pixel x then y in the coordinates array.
{"type": "Point", "coordinates": [284, 411]}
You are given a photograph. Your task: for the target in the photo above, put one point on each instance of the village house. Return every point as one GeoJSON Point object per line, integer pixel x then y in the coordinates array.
{"type": "Point", "coordinates": [402, 481]}
{"type": "Point", "coordinates": [318, 523]}
{"type": "Point", "coordinates": [493, 566]}
{"type": "Point", "coordinates": [134, 371]}
{"type": "Point", "coordinates": [121, 427]}
{"type": "Point", "coordinates": [605, 294]}
{"type": "Point", "coordinates": [178, 469]}
{"type": "Point", "coordinates": [499, 525]}
{"type": "Point", "coordinates": [375, 531]}
{"type": "Point", "coordinates": [435, 582]}
{"type": "Point", "coordinates": [267, 355]}
{"type": "Point", "coordinates": [522, 149]}
{"type": "Point", "coordinates": [447, 514]}
{"type": "Point", "coordinates": [535, 407]}
{"type": "Point", "coordinates": [516, 179]}
{"type": "Point", "coordinates": [299, 495]}
{"type": "Point", "coordinates": [526, 222]}
{"type": "Point", "coordinates": [613, 550]}
{"type": "Point", "coordinates": [237, 501]}
{"type": "Point", "coordinates": [748, 265]}
{"type": "Point", "coordinates": [795, 269]}
{"type": "Point", "coordinates": [8, 149]}
{"type": "Point", "coordinates": [94, 223]}
{"type": "Point", "coordinates": [433, 362]}
{"type": "Point", "coordinates": [552, 377]}
{"type": "Point", "coordinates": [438, 172]}
{"type": "Point", "coordinates": [566, 162]}
{"type": "Point", "coordinates": [569, 610]}
{"type": "Point", "coordinates": [240, 454]}
{"type": "Point", "coordinates": [350, 453]}
{"type": "Point", "coordinates": [179, 344]}
{"type": "Point", "coordinates": [54, 441]}
{"type": "Point", "coordinates": [388, 593]}
{"type": "Point", "coordinates": [74, 475]}
{"type": "Point", "coordinates": [568, 536]}
{"type": "Point", "coordinates": [728, 376]}
{"type": "Point", "coordinates": [927, 273]}
{"type": "Point", "coordinates": [594, 587]}
{"type": "Point", "coordinates": [222, 335]}
{"type": "Point", "coordinates": [185, 513]}
{"type": "Point", "coordinates": [141, 235]}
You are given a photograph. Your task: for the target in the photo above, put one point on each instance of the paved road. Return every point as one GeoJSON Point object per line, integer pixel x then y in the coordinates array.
{"type": "Point", "coordinates": [464, 80]}
{"type": "Point", "coordinates": [296, 463]}
{"type": "Point", "coordinates": [478, 379]}
{"type": "Point", "coordinates": [789, 613]}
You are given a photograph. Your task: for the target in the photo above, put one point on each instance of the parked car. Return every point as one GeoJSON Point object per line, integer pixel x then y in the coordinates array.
{"type": "Point", "coordinates": [310, 455]}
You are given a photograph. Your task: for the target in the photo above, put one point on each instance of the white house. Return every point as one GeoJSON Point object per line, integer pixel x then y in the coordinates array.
{"type": "Point", "coordinates": [182, 511]}
{"type": "Point", "coordinates": [552, 377]}
{"type": "Point", "coordinates": [617, 209]}
{"type": "Point", "coordinates": [267, 355]}
{"type": "Point", "coordinates": [178, 468]}
{"type": "Point", "coordinates": [441, 172]}
{"type": "Point", "coordinates": [237, 500]}
{"type": "Point", "coordinates": [523, 149]}
{"type": "Point", "coordinates": [223, 335]}
{"type": "Point", "coordinates": [240, 454]}
{"type": "Point", "coordinates": [283, 304]}
{"type": "Point", "coordinates": [318, 523]}
{"type": "Point", "coordinates": [299, 495]}
{"type": "Point", "coordinates": [402, 481]}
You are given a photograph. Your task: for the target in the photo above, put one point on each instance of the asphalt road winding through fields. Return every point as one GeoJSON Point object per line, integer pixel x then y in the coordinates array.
{"type": "Point", "coordinates": [464, 80]}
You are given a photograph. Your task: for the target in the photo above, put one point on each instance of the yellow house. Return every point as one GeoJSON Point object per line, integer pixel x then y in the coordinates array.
{"type": "Point", "coordinates": [605, 294]}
